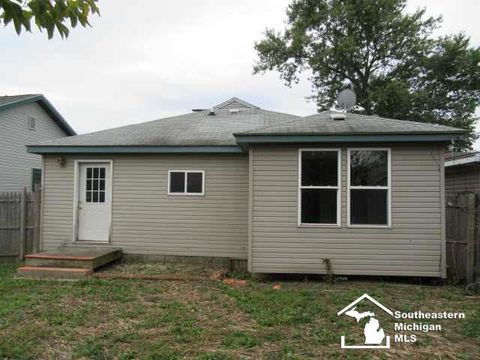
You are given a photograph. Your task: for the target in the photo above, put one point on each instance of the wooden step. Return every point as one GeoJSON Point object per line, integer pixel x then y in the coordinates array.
{"type": "Point", "coordinates": [53, 272]}
{"type": "Point", "coordinates": [74, 258]}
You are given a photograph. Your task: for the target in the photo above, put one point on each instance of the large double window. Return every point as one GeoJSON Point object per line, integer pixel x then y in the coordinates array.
{"type": "Point", "coordinates": [319, 179]}
{"type": "Point", "coordinates": [369, 187]}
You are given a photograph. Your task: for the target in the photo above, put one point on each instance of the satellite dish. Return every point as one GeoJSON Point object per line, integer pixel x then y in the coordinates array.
{"type": "Point", "coordinates": [346, 99]}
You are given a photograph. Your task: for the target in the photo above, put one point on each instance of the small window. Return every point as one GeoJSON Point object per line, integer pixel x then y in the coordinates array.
{"type": "Point", "coordinates": [319, 187]}
{"type": "Point", "coordinates": [186, 182]}
{"type": "Point", "coordinates": [31, 123]}
{"type": "Point", "coordinates": [369, 187]}
{"type": "Point", "coordinates": [36, 178]}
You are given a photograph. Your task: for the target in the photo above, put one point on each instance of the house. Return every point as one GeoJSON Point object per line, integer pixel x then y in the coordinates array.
{"type": "Point", "coordinates": [26, 119]}
{"type": "Point", "coordinates": [462, 173]}
{"type": "Point", "coordinates": [276, 191]}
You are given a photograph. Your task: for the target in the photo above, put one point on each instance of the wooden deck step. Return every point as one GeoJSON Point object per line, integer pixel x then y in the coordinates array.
{"type": "Point", "coordinates": [83, 258]}
{"type": "Point", "coordinates": [53, 272]}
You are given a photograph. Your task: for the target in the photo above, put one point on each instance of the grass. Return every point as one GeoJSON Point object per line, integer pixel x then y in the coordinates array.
{"type": "Point", "coordinates": [132, 319]}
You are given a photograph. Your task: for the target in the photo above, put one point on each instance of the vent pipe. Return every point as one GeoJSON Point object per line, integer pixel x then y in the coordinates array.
{"type": "Point", "coordinates": [338, 116]}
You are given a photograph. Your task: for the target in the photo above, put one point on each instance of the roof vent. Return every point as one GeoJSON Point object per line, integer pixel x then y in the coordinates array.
{"type": "Point", "coordinates": [211, 112]}
{"type": "Point", "coordinates": [338, 116]}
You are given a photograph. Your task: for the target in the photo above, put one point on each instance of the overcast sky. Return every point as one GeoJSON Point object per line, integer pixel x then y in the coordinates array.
{"type": "Point", "coordinates": [144, 60]}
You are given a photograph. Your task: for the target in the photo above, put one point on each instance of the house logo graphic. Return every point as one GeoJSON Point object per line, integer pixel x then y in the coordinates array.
{"type": "Point", "coordinates": [374, 335]}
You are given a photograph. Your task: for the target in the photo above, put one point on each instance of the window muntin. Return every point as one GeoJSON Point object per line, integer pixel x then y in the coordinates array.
{"type": "Point", "coordinates": [186, 182]}
{"type": "Point", "coordinates": [369, 187]}
{"type": "Point", "coordinates": [95, 185]}
{"type": "Point", "coordinates": [319, 187]}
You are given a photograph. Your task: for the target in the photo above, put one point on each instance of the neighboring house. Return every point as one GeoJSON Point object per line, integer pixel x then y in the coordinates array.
{"type": "Point", "coordinates": [462, 173]}
{"type": "Point", "coordinates": [281, 192]}
{"type": "Point", "coordinates": [26, 119]}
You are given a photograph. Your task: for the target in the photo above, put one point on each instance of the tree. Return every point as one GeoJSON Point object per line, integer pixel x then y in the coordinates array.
{"type": "Point", "coordinates": [47, 14]}
{"type": "Point", "coordinates": [395, 65]}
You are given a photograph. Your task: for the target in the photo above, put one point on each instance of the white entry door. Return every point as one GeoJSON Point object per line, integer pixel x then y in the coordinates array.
{"type": "Point", "coordinates": [94, 202]}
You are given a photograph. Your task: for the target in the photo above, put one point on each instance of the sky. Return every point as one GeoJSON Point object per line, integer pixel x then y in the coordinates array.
{"type": "Point", "coordinates": [144, 60]}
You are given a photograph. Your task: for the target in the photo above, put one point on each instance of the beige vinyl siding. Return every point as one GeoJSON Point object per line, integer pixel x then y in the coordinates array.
{"type": "Point", "coordinates": [462, 178]}
{"type": "Point", "coordinates": [15, 163]}
{"type": "Point", "coordinates": [412, 246]}
{"type": "Point", "coordinates": [145, 220]}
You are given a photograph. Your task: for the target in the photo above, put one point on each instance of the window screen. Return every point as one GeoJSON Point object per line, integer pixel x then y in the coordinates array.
{"type": "Point", "coordinates": [186, 182]}
{"type": "Point", "coordinates": [319, 186]}
{"type": "Point", "coordinates": [369, 187]}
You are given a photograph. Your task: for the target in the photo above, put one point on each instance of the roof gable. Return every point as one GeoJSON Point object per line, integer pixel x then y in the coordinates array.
{"type": "Point", "coordinates": [235, 103]}
{"type": "Point", "coordinates": [8, 102]}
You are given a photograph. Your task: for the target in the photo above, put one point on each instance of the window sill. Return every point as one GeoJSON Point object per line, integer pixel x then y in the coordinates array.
{"type": "Point", "coordinates": [369, 226]}
{"type": "Point", "coordinates": [318, 225]}
{"type": "Point", "coordinates": [185, 194]}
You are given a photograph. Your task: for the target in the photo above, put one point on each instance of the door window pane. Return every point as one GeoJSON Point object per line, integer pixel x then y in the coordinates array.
{"type": "Point", "coordinates": [368, 207]}
{"type": "Point", "coordinates": [319, 206]}
{"type": "Point", "coordinates": [319, 168]}
{"type": "Point", "coordinates": [177, 182]}
{"type": "Point", "coordinates": [95, 184]}
{"type": "Point", "coordinates": [368, 168]}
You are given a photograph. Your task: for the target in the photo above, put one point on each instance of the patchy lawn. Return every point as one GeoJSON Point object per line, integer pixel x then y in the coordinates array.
{"type": "Point", "coordinates": [131, 319]}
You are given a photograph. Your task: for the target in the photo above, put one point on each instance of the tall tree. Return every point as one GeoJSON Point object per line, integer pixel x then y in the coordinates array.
{"type": "Point", "coordinates": [47, 14]}
{"type": "Point", "coordinates": [395, 65]}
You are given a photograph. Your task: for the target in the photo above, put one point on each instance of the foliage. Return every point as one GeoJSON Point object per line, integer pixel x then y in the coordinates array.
{"type": "Point", "coordinates": [135, 319]}
{"type": "Point", "coordinates": [47, 14]}
{"type": "Point", "coordinates": [390, 58]}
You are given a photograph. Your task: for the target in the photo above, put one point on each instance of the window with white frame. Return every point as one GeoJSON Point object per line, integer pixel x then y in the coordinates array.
{"type": "Point", "coordinates": [186, 182]}
{"type": "Point", "coordinates": [319, 187]}
{"type": "Point", "coordinates": [369, 187]}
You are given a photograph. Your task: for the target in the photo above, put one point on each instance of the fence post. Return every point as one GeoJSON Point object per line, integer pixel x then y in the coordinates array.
{"type": "Point", "coordinates": [23, 207]}
{"type": "Point", "coordinates": [470, 237]}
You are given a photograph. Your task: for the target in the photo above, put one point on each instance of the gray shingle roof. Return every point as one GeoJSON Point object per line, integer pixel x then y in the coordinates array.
{"type": "Point", "coordinates": [354, 124]}
{"type": "Point", "coordinates": [194, 129]}
{"type": "Point", "coordinates": [237, 117]}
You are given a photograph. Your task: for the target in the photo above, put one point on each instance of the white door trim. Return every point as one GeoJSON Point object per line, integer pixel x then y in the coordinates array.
{"type": "Point", "coordinates": [76, 187]}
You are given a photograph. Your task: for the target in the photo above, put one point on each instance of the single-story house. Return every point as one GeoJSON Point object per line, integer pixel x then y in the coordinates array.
{"type": "Point", "coordinates": [26, 119]}
{"type": "Point", "coordinates": [462, 173]}
{"type": "Point", "coordinates": [280, 192]}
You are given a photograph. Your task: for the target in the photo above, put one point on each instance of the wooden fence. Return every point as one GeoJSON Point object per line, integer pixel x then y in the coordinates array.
{"type": "Point", "coordinates": [463, 237]}
{"type": "Point", "coordinates": [19, 224]}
